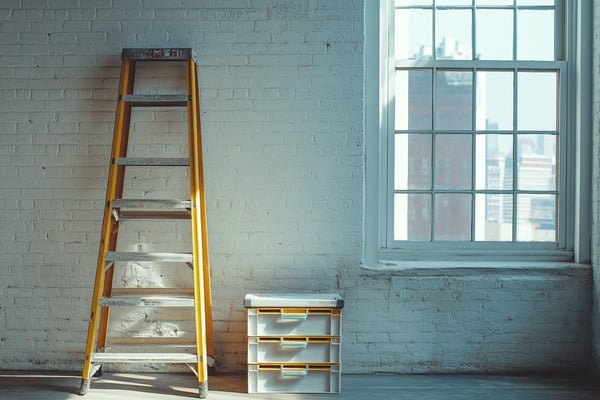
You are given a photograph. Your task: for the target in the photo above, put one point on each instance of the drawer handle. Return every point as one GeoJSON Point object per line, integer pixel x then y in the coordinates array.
{"type": "Point", "coordinates": [293, 372]}
{"type": "Point", "coordinates": [294, 343]}
{"type": "Point", "coordinates": [288, 316]}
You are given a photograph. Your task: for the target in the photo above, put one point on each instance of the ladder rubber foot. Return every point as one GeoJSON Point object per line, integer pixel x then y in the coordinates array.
{"type": "Point", "coordinates": [85, 386]}
{"type": "Point", "coordinates": [202, 389]}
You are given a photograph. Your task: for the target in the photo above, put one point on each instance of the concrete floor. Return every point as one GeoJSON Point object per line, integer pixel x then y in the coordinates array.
{"type": "Point", "coordinates": [64, 386]}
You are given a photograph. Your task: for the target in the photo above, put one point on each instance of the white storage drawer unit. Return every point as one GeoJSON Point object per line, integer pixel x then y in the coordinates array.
{"type": "Point", "coordinates": [294, 343]}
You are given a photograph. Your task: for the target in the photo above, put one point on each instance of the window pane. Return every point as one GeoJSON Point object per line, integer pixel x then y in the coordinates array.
{"type": "Point", "coordinates": [413, 34]}
{"type": "Point", "coordinates": [414, 2]}
{"type": "Point", "coordinates": [453, 34]}
{"type": "Point", "coordinates": [494, 101]}
{"type": "Point", "coordinates": [494, 162]}
{"type": "Point", "coordinates": [453, 3]}
{"type": "Point", "coordinates": [412, 158]}
{"type": "Point", "coordinates": [536, 166]}
{"type": "Point", "coordinates": [536, 218]}
{"type": "Point", "coordinates": [537, 101]}
{"type": "Point", "coordinates": [535, 34]}
{"type": "Point", "coordinates": [494, 2]}
{"type": "Point", "coordinates": [453, 161]}
{"type": "Point", "coordinates": [535, 2]}
{"type": "Point", "coordinates": [412, 217]}
{"type": "Point", "coordinates": [493, 217]}
{"type": "Point", "coordinates": [453, 100]}
{"type": "Point", "coordinates": [414, 99]}
{"type": "Point", "coordinates": [453, 216]}
{"type": "Point", "coordinates": [494, 35]}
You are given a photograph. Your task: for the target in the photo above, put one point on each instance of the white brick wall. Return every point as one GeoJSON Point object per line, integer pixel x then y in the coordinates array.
{"type": "Point", "coordinates": [282, 119]}
{"type": "Point", "coordinates": [470, 320]}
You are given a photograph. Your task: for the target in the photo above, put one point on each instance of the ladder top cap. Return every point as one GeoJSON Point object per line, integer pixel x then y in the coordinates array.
{"type": "Point", "coordinates": [158, 54]}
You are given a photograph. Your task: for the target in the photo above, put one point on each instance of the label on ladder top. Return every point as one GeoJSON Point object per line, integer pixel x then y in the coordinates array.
{"type": "Point", "coordinates": [176, 54]}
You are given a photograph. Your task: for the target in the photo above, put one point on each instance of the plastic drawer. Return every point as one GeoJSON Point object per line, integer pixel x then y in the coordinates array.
{"type": "Point", "coordinates": [293, 378]}
{"type": "Point", "coordinates": [294, 322]}
{"type": "Point", "coordinates": [294, 350]}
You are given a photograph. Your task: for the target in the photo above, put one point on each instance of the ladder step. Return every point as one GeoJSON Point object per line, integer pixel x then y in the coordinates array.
{"type": "Point", "coordinates": [157, 54]}
{"type": "Point", "coordinates": [153, 161]}
{"type": "Point", "coordinates": [157, 100]}
{"type": "Point", "coordinates": [151, 203]}
{"type": "Point", "coordinates": [170, 341]}
{"type": "Point", "coordinates": [151, 215]}
{"type": "Point", "coordinates": [136, 209]}
{"type": "Point", "coordinates": [152, 291]}
{"type": "Point", "coordinates": [140, 256]}
{"type": "Point", "coordinates": [147, 301]}
{"type": "Point", "coordinates": [171, 358]}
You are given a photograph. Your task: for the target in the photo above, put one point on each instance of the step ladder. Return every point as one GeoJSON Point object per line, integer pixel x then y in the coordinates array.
{"type": "Point", "coordinates": [119, 208]}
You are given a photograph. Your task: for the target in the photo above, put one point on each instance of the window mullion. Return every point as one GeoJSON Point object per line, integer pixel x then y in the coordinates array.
{"type": "Point", "coordinates": [514, 151]}
{"type": "Point", "coordinates": [564, 186]}
{"type": "Point", "coordinates": [473, 150]}
{"type": "Point", "coordinates": [433, 151]}
{"type": "Point", "coordinates": [559, 31]}
{"type": "Point", "coordinates": [515, 31]}
{"type": "Point", "coordinates": [473, 33]}
{"type": "Point", "coordinates": [433, 36]}
{"type": "Point", "coordinates": [388, 150]}
{"type": "Point", "coordinates": [473, 119]}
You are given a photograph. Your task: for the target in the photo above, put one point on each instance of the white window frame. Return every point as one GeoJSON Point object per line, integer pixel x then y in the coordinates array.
{"type": "Point", "coordinates": [574, 241]}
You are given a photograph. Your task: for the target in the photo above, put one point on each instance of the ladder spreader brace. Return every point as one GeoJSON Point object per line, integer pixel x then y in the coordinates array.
{"type": "Point", "coordinates": [117, 209]}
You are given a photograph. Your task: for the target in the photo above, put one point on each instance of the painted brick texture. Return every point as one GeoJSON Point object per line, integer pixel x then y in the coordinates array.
{"type": "Point", "coordinates": [470, 320]}
{"type": "Point", "coordinates": [282, 109]}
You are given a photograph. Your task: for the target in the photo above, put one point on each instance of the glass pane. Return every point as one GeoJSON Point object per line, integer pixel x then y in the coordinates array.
{"type": "Point", "coordinates": [413, 3]}
{"type": "Point", "coordinates": [536, 218]}
{"type": "Point", "coordinates": [453, 161]}
{"type": "Point", "coordinates": [453, 34]}
{"type": "Point", "coordinates": [412, 159]}
{"type": "Point", "coordinates": [536, 163]}
{"type": "Point", "coordinates": [535, 34]}
{"type": "Point", "coordinates": [537, 101]}
{"type": "Point", "coordinates": [453, 2]}
{"type": "Point", "coordinates": [494, 2]}
{"type": "Point", "coordinates": [453, 100]}
{"type": "Point", "coordinates": [412, 217]}
{"type": "Point", "coordinates": [535, 2]}
{"type": "Point", "coordinates": [413, 30]}
{"type": "Point", "coordinates": [452, 216]}
{"type": "Point", "coordinates": [494, 101]}
{"type": "Point", "coordinates": [494, 162]}
{"type": "Point", "coordinates": [414, 99]}
{"type": "Point", "coordinates": [493, 217]}
{"type": "Point", "coordinates": [494, 35]}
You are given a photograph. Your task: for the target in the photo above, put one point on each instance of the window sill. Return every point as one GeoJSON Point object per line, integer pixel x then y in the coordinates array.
{"type": "Point", "coordinates": [462, 267]}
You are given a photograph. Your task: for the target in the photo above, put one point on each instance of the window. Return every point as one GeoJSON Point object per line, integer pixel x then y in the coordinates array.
{"type": "Point", "coordinates": [479, 120]}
